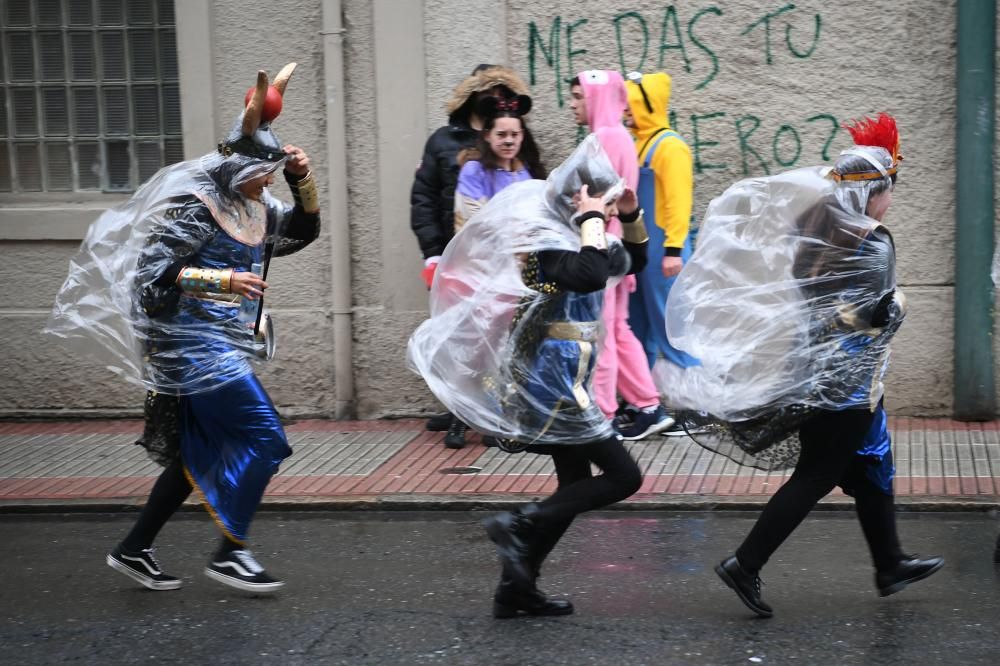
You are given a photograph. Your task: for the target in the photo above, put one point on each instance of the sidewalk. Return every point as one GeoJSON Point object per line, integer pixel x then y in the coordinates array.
{"type": "Point", "coordinates": [93, 465]}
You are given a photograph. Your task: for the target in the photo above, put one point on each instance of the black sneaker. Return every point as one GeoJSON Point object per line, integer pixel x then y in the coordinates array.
{"type": "Point", "coordinates": [746, 585]}
{"type": "Point", "coordinates": [239, 569]}
{"type": "Point", "coordinates": [142, 567]}
{"type": "Point", "coordinates": [909, 570]}
{"type": "Point", "coordinates": [645, 424]}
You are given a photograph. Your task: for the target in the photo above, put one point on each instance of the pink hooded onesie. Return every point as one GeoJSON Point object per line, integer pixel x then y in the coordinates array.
{"type": "Point", "coordinates": [622, 366]}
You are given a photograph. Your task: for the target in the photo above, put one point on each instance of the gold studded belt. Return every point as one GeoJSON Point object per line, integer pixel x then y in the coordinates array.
{"type": "Point", "coordinates": [582, 331]}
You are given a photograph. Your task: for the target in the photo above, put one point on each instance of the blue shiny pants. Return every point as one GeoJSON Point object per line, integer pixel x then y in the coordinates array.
{"type": "Point", "coordinates": [232, 443]}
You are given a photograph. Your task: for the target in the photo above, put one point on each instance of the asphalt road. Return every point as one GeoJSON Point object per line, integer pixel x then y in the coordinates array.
{"type": "Point", "coordinates": [414, 588]}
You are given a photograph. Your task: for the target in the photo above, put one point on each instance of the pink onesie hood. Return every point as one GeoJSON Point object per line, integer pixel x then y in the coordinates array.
{"type": "Point", "coordinates": [607, 99]}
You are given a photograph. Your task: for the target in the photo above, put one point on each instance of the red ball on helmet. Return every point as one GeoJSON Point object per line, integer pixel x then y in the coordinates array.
{"type": "Point", "coordinates": [272, 103]}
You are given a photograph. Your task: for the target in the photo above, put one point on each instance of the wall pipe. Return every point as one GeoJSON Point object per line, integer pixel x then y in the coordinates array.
{"type": "Point", "coordinates": [975, 394]}
{"type": "Point", "coordinates": [340, 231]}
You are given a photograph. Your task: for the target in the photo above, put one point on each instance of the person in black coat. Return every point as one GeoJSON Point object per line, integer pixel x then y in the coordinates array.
{"type": "Point", "coordinates": [432, 198]}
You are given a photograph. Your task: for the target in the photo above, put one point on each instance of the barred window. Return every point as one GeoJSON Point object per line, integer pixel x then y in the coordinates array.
{"type": "Point", "coordinates": [89, 94]}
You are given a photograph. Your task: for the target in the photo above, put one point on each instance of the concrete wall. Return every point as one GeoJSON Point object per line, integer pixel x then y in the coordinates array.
{"type": "Point", "coordinates": [755, 89]}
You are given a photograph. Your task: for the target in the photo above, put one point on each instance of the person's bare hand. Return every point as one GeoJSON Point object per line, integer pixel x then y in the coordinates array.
{"type": "Point", "coordinates": [586, 203]}
{"type": "Point", "coordinates": [247, 284]}
{"type": "Point", "coordinates": [297, 163]}
{"type": "Point", "coordinates": [672, 266]}
{"type": "Point", "coordinates": [627, 202]}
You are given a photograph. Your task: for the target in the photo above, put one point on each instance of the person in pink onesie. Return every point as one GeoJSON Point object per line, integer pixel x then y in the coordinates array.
{"type": "Point", "coordinates": [598, 100]}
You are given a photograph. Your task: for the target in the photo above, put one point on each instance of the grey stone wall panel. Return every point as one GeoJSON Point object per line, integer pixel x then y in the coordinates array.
{"type": "Point", "coordinates": [385, 386]}
{"type": "Point", "coordinates": [363, 185]}
{"type": "Point", "coordinates": [43, 376]}
{"type": "Point", "coordinates": [300, 378]}
{"type": "Point", "coordinates": [920, 380]}
{"type": "Point", "coordinates": [32, 272]}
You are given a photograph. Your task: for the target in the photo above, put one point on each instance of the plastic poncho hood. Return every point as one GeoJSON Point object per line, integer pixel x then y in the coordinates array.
{"type": "Point", "coordinates": [788, 300]}
{"type": "Point", "coordinates": [102, 310]}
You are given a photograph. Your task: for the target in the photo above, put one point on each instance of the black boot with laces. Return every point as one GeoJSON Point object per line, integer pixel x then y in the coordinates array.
{"type": "Point", "coordinates": [745, 584]}
{"type": "Point", "coordinates": [455, 439]}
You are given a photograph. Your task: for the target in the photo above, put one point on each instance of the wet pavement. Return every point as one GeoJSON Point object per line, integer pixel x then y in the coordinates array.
{"type": "Point", "coordinates": [414, 588]}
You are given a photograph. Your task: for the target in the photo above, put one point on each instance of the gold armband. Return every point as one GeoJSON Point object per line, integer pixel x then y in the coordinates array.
{"type": "Point", "coordinates": [592, 233]}
{"type": "Point", "coordinates": [306, 194]}
{"type": "Point", "coordinates": [214, 280]}
{"type": "Point", "coordinates": [635, 232]}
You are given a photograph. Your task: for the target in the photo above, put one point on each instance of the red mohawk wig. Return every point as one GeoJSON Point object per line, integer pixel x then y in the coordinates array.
{"type": "Point", "coordinates": [881, 132]}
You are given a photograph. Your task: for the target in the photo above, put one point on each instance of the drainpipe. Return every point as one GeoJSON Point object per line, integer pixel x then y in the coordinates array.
{"type": "Point", "coordinates": [975, 394]}
{"type": "Point", "coordinates": [340, 232]}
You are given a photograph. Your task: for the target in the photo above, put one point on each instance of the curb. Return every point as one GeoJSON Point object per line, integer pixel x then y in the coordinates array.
{"type": "Point", "coordinates": [404, 503]}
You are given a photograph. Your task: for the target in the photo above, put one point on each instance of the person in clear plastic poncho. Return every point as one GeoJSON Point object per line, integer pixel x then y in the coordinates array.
{"type": "Point", "coordinates": [790, 301]}
{"type": "Point", "coordinates": [512, 341]}
{"type": "Point", "coordinates": [162, 293]}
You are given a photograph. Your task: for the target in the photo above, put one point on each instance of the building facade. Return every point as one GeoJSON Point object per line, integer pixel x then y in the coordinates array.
{"type": "Point", "coordinates": [97, 94]}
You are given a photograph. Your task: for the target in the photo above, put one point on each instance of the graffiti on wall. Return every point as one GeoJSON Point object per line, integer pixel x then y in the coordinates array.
{"type": "Point", "coordinates": [689, 39]}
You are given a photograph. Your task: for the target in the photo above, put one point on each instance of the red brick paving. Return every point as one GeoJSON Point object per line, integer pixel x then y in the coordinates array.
{"type": "Point", "coordinates": [418, 467]}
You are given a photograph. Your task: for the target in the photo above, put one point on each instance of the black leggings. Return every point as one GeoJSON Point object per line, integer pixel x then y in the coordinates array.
{"type": "Point", "coordinates": [829, 458]}
{"type": "Point", "coordinates": [579, 490]}
{"type": "Point", "coordinates": [168, 494]}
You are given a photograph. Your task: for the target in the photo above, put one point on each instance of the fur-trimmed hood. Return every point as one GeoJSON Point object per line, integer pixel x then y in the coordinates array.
{"type": "Point", "coordinates": [482, 80]}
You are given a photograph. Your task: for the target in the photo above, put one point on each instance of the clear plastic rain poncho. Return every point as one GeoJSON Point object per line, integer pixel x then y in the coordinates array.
{"type": "Point", "coordinates": [110, 308]}
{"type": "Point", "coordinates": [789, 302]}
{"type": "Point", "coordinates": [507, 352]}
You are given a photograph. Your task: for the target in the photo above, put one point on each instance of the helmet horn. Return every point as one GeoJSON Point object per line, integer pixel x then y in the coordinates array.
{"type": "Point", "coordinates": [281, 80]}
{"type": "Point", "coordinates": [251, 117]}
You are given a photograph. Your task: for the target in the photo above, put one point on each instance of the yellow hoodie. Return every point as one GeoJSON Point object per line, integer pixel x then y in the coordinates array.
{"type": "Point", "coordinates": [671, 162]}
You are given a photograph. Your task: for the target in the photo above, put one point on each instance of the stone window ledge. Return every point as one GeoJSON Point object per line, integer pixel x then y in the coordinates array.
{"type": "Point", "coordinates": [52, 216]}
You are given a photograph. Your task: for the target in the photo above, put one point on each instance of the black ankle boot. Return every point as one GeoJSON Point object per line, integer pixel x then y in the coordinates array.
{"type": "Point", "coordinates": [510, 599]}
{"type": "Point", "coordinates": [513, 533]}
{"type": "Point", "coordinates": [455, 439]}
{"type": "Point", "coordinates": [745, 584]}
{"type": "Point", "coordinates": [907, 571]}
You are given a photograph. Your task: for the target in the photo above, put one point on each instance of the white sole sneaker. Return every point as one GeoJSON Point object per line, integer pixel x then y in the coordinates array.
{"type": "Point", "coordinates": [654, 429]}
{"type": "Point", "coordinates": [242, 584]}
{"type": "Point", "coordinates": [694, 430]}
{"type": "Point", "coordinates": [139, 578]}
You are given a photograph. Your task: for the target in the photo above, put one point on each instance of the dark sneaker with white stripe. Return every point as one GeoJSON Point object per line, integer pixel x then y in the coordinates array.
{"type": "Point", "coordinates": [142, 567]}
{"type": "Point", "coordinates": [239, 569]}
{"type": "Point", "coordinates": [644, 423]}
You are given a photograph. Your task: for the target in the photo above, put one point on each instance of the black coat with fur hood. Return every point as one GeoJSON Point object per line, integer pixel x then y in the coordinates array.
{"type": "Point", "coordinates": [432, 199]}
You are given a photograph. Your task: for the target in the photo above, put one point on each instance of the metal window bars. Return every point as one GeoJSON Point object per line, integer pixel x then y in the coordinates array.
{"type": "Point", "coordinates": [89, 94]}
